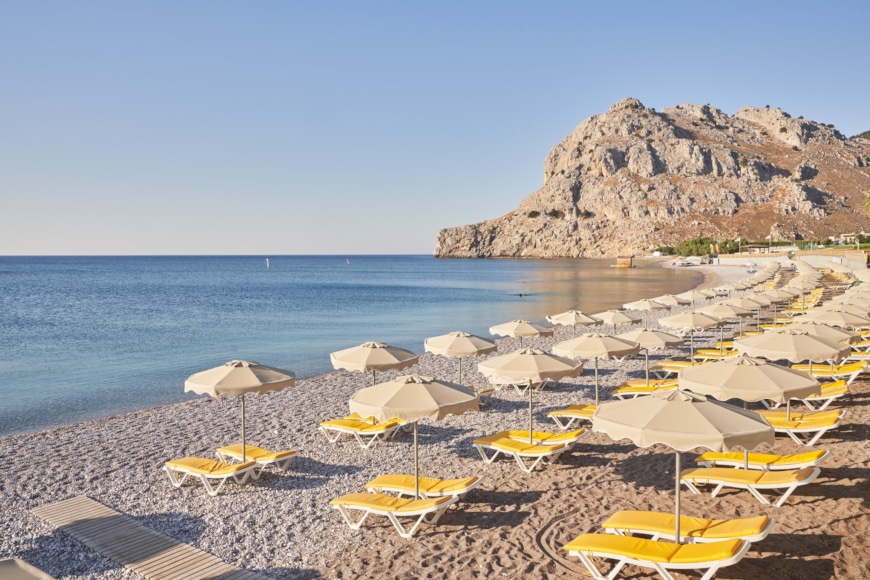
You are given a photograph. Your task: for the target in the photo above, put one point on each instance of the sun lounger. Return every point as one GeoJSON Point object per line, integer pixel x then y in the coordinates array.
{"type": "Point", "coordinates": [568, 438]}
{"type": "Point", "coordinates": [848, 372]}
{"type": "Point", "coordinates": [520, 386]}
{"type": "Point", "coordinates": [806, 431]}
{"type": "Point", "coordinates": [712, 354]}
{"type": "Point", "coordinates": [830, 392]}
{"type": "Point", "coordinates": [633, 391]}
{"type": "Point", "coordinates": [178, 471]}
{"type": "Point", "coordinates": [660, 526]}
{"type": "Point", "coordinates": [660, 556]}
{"type": "Point", "coordinates": [393, 508]}
{"type": "Point", "coordinates": [365, 432]}
{"type": "Point", "coordinates": [668, 369]}
{"type": "Point", "coordinates": [519, 450]}
{"type": "Point", "coordinates": [429, 487]}
{"type": "Point", "coordinates": [750, 480]}
{"type": "Point", "coordinates": [567, 417]}
{"type": "Point", "coordinates": [17, 569]}
{"type": "Point", "coordinates": [263, 457]}
{"type": "Point", "coordinates": [763, 461]}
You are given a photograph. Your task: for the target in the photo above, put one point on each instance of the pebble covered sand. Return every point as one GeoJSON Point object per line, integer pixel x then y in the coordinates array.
{"type": "Point", "coordinates": [512, 526]}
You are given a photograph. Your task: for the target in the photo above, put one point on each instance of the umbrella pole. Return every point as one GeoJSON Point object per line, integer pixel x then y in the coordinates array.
{"type": "Point", "coordinates": [646, 354]}
{"type": "Point", "coordinates": [596, 381]}
{"type": "Point", "coordinates": [460, 370]}
{"type": "Point", "coordinates": [692, 349]}
{"type": "Point", "coordinates": [745, 459]}
{"type": "Point", "coordinates": [416, 464]}
{"type": "Point", "coordinates": [374, 374]}
{"type": "Point", "coordinates": [677, 509]}
{"type": "Point", "coordinates": [244, 458]}
{"type": "Point", "coordinates": [788, 410]}
{"type": "Point", "coordinates": [530, 413]}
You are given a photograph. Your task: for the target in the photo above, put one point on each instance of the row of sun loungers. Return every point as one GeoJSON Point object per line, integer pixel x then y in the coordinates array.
{"type": "Point", "coordinates": [228, 466]}
{"type": "Point", "coordinates": [751, 480]}
{"type": "Point", "coordinates": [545, 447]}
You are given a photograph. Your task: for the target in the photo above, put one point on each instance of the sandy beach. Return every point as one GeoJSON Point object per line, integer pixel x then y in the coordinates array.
{"type": "Point", "coordinates": [513, 526]}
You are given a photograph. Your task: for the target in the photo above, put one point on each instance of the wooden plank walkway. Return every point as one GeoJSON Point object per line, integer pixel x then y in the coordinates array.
{"type": "Point", "coordinates": [127, 542]}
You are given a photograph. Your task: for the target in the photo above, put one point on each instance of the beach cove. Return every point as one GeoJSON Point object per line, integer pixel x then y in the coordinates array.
{"type": "Point", "coordinates": [512, 526]}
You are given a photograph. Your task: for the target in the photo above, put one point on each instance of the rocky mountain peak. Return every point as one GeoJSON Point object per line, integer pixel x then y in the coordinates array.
{"type": "Point", "coordinates": [632, 179]}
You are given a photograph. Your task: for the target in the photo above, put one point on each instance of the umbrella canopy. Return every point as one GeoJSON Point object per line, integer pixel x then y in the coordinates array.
{"type": "Point", "coordinates": [411, 398]}
{"type": "Point", "coordinates": [530, 364]}
{"type": "Point", "coordinates": [860, 310]}
{"type": "Point", "coordinates": [520, 328]}
{"type": "Point", "coordinates": [239, 378]}
{"type": "Point", "coordinates": [574, 318]}
{"type": "Point", "coordinates": [646, 305]}
{"type": "Point", "coordinates": [596, 346]}
{"type": "Point", "coordinates": [671, 300]}
{"type": "Point", "coordinates": [792, 345]}
{"type": "Point", "coordinates": [834, 318]}
{"type": "Point", "coordinates": [693, 295]}
{"type": "Point", "coordinates": [459, 344]}
{"type": "Point", "coordinates": [746, 302]}
{"type": "Point", "coordinates": [826, 332]}
{"type": "Point", "coordinates": [616, 317]}
{"type": "Point", "coordinates": [682, 421]}
{"type": "Point", "coordinates": [748, 379]}
{"type": "Point", "coordinates": [373, 356]}
{"type": "Point", "coordinates": [690, 321]}
{"type": "Point", "coordinates": [721, 310]}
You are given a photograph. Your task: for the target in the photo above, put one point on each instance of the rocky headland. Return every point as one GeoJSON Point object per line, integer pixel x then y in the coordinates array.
{"type": "Point", "coordinates": [633, 179]}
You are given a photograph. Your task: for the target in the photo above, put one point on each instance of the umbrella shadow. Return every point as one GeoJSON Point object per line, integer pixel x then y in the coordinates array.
{"type": "Point", "coordinates": [787, 558]}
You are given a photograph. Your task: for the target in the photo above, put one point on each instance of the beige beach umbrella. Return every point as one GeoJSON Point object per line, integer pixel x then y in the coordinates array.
{"type": "Point", "coordinates": [750, 380]}
{"type": "Point", "coordinates": [411, 398]}
{"type": "Point", "coordinates": [459, 345]}
{"type": "Point", "coordinates": [826, 332]}
{"type": "Point", "coordinates": [239, 378]}
{"type": "Point", "coordinates": [726, 312]}
{"type": "Point", "coordinates": [792, 345]}
{"type": "Point", "coordinates": [596, 346]}
{"type": "Point", "coordinates": [683, 421]}
{"type": "Point", "coordinates": [854, 299]}
{"type": "Point", "coordinates": [574, 318]}
{"type": "Point", "coordinates": [373, 356]}
{"type": "Point", "coordinates": [859, 310]}
{"type": "Point", "coordinates": [615, 317]}
{"type": "Point", "coordinates": [690, 321]}
{"type": "Point", "coordinates": [651, 340]}
{"type": "Point", "coordinates": [647, 305]}
{"type": "Point", "coordinates": [520, 328]}
{"type": "Point", "coordinates": [532, 365]}
{"type": "Point", "coordinates": [671, 300]}
{"type": "Point", "coordinates": [835, 318]}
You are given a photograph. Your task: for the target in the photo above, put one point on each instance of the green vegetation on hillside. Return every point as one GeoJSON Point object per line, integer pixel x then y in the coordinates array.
{"type": "Point", "coordinates": [864, 135]}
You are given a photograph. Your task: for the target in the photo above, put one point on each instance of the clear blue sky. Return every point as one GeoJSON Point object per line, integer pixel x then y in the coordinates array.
{"type": "Point", "coordinates": [279, 127]}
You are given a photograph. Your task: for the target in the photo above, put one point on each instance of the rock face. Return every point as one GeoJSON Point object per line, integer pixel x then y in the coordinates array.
{"type": "Point", "coordinates": [633, 179]}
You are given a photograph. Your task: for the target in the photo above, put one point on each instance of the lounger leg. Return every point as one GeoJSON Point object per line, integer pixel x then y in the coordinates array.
{"type": "Point", "coordinates": [663, 571]}
{"type": "Point", "coordinates": [486, 458]}
{"type": "Point", "coordinates": [366, 444]}
{"type": "Point", "coordinates": [208, 488]}
{"type": "Point", "coordinates": [354, 524]}
{"type": "Point", "coordinates": [522, 465]}
{"type": "Point", "coordinates": [784, 496]}
{"type": "Point", "coordinates": [593, 569]}
{"type": "Point", "coordinates": [816, 437]}
{"type": "Point", "coordinates": [564, 426]}
{"type": "Point", "coordinates": [690, 485]}
{"type": "Point", "coordinates": [407, 534]}
{"type": "Point", "coordinates": [332, 439]}
{"type": "Point", "coordinates": [757, 494]}
{"type": "Point", "coordinates": [174, 478]}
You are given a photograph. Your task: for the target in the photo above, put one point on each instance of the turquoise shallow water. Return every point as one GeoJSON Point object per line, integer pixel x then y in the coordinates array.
{"type": "Point", "coordinates": [86, 337]}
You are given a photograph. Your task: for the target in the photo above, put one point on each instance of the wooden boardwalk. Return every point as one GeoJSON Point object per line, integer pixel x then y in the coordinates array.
{"type": "Point", "coordinates": [127, 542]}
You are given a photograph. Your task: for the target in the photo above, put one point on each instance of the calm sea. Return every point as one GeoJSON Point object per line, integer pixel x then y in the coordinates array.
{"type": "Point", "coordinates": [86, 337]}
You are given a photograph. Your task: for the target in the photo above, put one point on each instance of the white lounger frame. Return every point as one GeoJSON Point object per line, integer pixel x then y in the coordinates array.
{"type": "Point", "coordinates": [751, 488]}
{"type": "Point", "coordinates": [545, 458]}
{"type": "Point", "coordinates": [660, 567]}
{"type": "Point", "coordinates": [667, 533]}
{"type": "Point", "coordinates": [430, 516]}
{"type": "Point", "coordinates": [334, 433]}
{"type": "Point", "coordinates": [282, 463]}
{"type": "Point", "coordinates": [400, 491]}
{"type": "Point", "coordinates": [241, 477]}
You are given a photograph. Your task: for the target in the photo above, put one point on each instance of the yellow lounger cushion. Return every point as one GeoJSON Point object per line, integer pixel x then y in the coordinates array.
{"type": "Point", "coordinates": [388, 502]}
{"type": "Point", "coordinates": [689, 526]}
{"type": "Point", "coordinates": [360, 425]}
{"type": "Point", "coordinates": [210, 467]}
{"type": "Point", "coordinates": [543, 437]}
{"type": "Point", "coordinates": [763, 458]}
{"type": "Point", "coordinates": [254, 453]}
{"type": "Point", "coordinates": [427, 484]}
{"type": "Point", "coordinates": [513, 446]}
{"type": "Point", "coordinates": [655, 551]}
{"type": "Point", "coordinates": [574, 411]}
{"type": "Point", "coordinates": [745, 476]}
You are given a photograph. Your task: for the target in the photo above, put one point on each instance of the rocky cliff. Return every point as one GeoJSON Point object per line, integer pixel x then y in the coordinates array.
{"type": "Point", "coordinates": [633, 179]}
